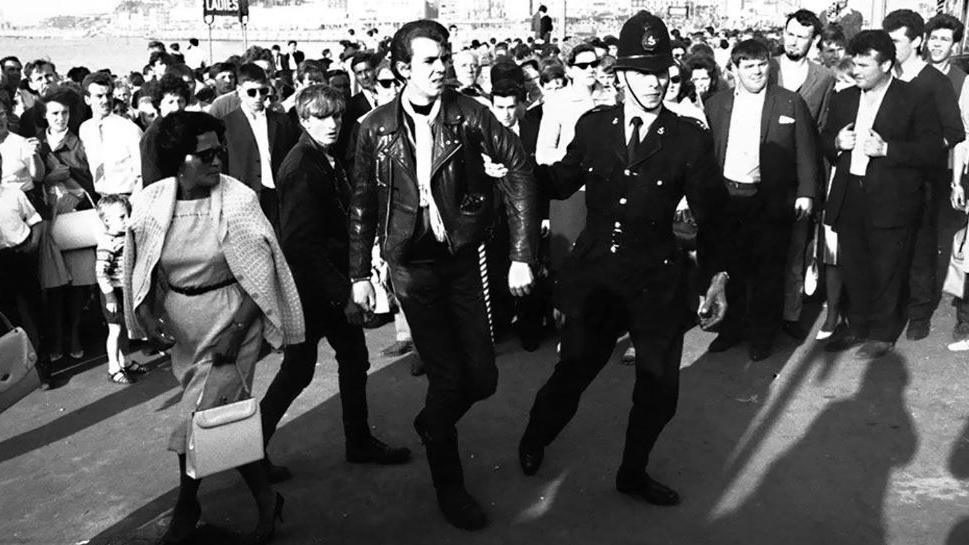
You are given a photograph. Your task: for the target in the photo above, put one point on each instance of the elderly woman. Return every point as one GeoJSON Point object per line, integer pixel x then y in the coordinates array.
{"type": "Point", "coordinates": [202, 265]}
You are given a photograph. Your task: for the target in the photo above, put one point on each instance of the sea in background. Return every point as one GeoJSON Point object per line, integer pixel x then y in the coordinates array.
{"type": "Point", "coordinates": [123, 55]}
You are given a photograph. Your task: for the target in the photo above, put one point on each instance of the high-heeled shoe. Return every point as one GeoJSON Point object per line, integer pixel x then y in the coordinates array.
{"type": "Point", "coordinates": [266, 530]}
{"type": "Point", "coordinates": [182, 525]}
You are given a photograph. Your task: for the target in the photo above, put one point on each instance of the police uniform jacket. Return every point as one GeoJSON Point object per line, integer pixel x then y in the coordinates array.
{"type": "Point", "coordinates": [631, 205]}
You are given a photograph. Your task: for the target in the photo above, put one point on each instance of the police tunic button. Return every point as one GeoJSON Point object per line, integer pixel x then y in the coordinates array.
{"type": "Point", "coordinates": [666, 262]}
{"type": "Point", "coordinates": [618, 225]}
{"type": "Point", "coordinates": [590, 169]}
{"type": "Point", "coordinates": [626, 172]}
{"type": "Point", "coordinates": [622, 200]}
{"type": "Point", "coordinates": [613, 248]}
{"type": "Point", "coordinates": [659, 182]}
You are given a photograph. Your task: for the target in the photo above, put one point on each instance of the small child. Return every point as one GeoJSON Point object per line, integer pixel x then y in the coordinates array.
{"type": "Point", "coordinates": [113, 211]}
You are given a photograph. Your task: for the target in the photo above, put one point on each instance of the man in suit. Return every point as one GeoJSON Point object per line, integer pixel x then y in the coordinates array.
{"type": "Point", "coordinates": [626, 271]}
{"type": "Point", "coordinates": [537, 22]}
{"type": "Point", "coordinates": [766, 145]}
{"type": "Point", "coordinates": [293, 57]}
{"type": "Point", "coordinates": [363, 67]}
{"type": "Point", "coordinates": [314, 198]}
{"type": "Point", "coordinates": [906, 29]}
{"type": "Point", "coordinates": [794, 71]}
{"type": "Point", "coordinates": [881, 135]}
{"type": "Point", "coordinates": [257, 139]}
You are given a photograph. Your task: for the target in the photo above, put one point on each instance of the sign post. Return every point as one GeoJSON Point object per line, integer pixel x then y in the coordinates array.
{"type": "Point", "coordinates": [225, 8]}
{"type": "Point", "coordinates": [209, 21]}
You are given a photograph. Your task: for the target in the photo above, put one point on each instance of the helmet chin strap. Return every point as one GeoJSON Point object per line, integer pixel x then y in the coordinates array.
{"type": "Point", "coordinates": [629, 88]}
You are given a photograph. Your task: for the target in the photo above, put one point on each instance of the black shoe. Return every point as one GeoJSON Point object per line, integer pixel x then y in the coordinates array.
{"type": "Point", "coordinates": [398, 349]}
{"type": "Point", "coordinates": [375, 451]}
{"type": "Point", "coordinates": [530, 458]}
{"type": "Point", "coordinates": [794, 330]}
{"type": "Point", "coordinates": [182, 525]}
{"type": "Point", "coordinates": [417, 366]}
{"type": "Point", "coordinates": [844, 340]}
{"type": "Point", "coordinates": [266, 529]}
{"type": "Point", "coordinates": [460, 509]}
{"type": "Point", "coordinates": [723, 343]}
{"type": "Point", "coordinates": [759, 352]}
{"type": "Point", "coordinates": [642, 486]}
{"type": "Point", "coordinates": [917, 330]}
{"type": "Point", "coordinates": [873, 350]}
{"type": "Point", "coordinates": [277, 474]}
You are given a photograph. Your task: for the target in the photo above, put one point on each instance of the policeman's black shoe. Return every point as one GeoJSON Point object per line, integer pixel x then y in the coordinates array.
{"type": "Point", "coordinates": [917, 330]}
{"type": "Point", "coordinates": [723, 343]}
{"type": "Point", "coordinates": [759, 352]}
{"type": "Point", "coordinates": [873, 350]}
{"type": "Point", "coordinates": [794, 330]}
{"type": "Point", "coordinates": [277, 474]}
{"type": "Point", "coordinates": [374, 451]}
{"type": "Point", "coordinates": [461, 509]}
{"type": "Point", "coordinates": [530, 457]}
{"type": "Point", "coordinates": [643, 486]}
{"type": "Point", "coordinates": [843, 340]}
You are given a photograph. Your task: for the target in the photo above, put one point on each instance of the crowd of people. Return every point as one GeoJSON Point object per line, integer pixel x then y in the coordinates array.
{"type": "Point", "coordinates": [472, 191]}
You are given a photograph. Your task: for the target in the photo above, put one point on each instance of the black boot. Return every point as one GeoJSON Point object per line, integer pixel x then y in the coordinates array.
{"type": "Point", "coordinates": [370, 450]}
{"type": "Point", "coordinates": [459, 508]}
{"type": "Point", "coordinates": [270, 504]}
{"type": "Point", "coordinates": [187, 509]}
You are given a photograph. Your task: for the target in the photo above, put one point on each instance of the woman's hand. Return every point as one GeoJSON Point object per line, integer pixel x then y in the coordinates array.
{"type": "Point", "coordinates": [155, 327]}
{"type": "Point", "coordinates": [228, 343]}
{"type": "Point", "coordinates": [58, 174]}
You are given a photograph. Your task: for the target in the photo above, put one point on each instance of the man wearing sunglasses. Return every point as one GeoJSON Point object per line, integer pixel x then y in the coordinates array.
{"type": "Point", "coordinates": [257, 139]}
{"type": "Point", "coordinates": [626, 271]}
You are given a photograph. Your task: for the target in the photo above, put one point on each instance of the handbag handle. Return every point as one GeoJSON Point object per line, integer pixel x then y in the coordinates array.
{"type": "Point", "coordinates": [245, 387]}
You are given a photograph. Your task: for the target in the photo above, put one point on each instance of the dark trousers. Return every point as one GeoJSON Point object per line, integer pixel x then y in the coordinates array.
{"type": "Point", "coordinates": [269, 202]}
{"type": "Point", "coordinates": [296, 373]}
{"type": "Point", "coordinates": [651, 316]}
{"type": "Point", "coordinates": [755, 292]}
{"type": "Point", "coordinates": [444, 303]}
{"type": "Point", "coordinates": [875, 264]}
{"type": "Point", "coordinates": [924, 293]}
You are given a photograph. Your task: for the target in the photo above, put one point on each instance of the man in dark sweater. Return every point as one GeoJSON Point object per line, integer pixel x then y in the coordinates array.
{"type": "Point", "coordinates": [907, 29]}
{"type": "Point", "coordinates": [943, 34]}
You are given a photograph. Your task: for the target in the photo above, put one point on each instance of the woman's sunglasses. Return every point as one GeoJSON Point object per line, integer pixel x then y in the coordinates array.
{"type": "Point", "coordinates": [584, 65]}
{"type": "Point", "coordinates": [387, 83]}
{"type": "Point", "coordinates": [264, 91]}
{"type": "Point", "coordinates": [675, 79]}
{"type": "Point", "coordinates": [209, 155]}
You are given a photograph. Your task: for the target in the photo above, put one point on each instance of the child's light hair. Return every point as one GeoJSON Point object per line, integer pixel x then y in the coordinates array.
{"type": "Point", "coordinates": [108, 201]}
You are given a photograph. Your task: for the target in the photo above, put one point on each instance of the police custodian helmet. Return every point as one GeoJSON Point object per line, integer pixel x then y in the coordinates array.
{"type": "Point", "coordinates": [644, 44]}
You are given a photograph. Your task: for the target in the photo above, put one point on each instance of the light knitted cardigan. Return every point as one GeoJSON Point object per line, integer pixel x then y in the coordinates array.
{"type": "Point", "coordinates": [247, 239]}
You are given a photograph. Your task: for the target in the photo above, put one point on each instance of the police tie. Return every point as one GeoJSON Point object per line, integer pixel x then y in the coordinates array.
{"type": "Point", "coordinates": [633, 145]}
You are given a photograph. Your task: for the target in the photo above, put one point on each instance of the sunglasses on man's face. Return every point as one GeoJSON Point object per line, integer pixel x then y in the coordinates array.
{"type": "Point", "coordinates": [585, 65]}
{"type": "Point", "coordinates": [264, 91]}
{"type": "Point", "coordinates": [387, 83]}
{"type": "Point", "coordinates": [209, 155]}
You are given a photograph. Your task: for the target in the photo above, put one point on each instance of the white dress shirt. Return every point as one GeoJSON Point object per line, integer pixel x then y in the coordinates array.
{"type": "Point", "coordinates": [630, 110]}
{"type": "Point", "coordinates": [793, 73]}
{"type": "Point", "coordinates": [111, 144]}
{"type": "Point", "coordinates": [17, 216]}
{"type": "Point", "coordinates": [260, 129]}
{"type": "Point", "coordinates": [868, 105]}
{"type": "Point", "coordinates": [17, 156]}
{"type": "Point", "coordinates": [742, 159]}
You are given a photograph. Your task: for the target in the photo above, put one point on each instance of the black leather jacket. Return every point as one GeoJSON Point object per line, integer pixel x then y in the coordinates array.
{"type": "Point", "coordinates": [385, 200]}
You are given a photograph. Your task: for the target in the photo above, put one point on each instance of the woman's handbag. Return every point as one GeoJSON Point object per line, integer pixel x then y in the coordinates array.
{"type": "Point", "coordinates": [18, 365]}
{"type": "Point", "coordinates": [955, 277]}
{"type": "Point", "coordinates": [224, 437]}
{"type": "Point", "coordinates": [78, 229]}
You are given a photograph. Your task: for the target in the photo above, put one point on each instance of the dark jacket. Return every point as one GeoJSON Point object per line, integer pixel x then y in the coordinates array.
{"type": "Point", "coordinates": [314, 198]}
{"type": "Point", "coordinates": [789, 155]}
{"type": "Point", "coordinates": [243, 153]}
{"type": "Point", "coordinates": [631, 205]}
{"type": "Point", "coordinates": [70, 153]}
{"type": "Point", "coordinates": [913, 132]}
{"type": "Point", "coordinates": [937, 88]}
{"type": "Point", "coordinates": [385, 199]}
{"type": "Point", "coordinates": [357, 106]}
{"type": "Point", "coordinates": [150, 173]}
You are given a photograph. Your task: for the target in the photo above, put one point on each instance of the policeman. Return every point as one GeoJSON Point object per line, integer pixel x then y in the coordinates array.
{"type": "Point", "coordinates": [626, 272]}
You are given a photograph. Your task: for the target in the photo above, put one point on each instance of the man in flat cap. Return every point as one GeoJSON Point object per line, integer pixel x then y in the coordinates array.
{"type": "Point", "coordinates": [626, 271]}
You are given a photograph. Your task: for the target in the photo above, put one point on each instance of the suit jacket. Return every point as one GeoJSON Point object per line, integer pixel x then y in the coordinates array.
{"type": "Point", "coordinates": [528, 132]}
{"type": "Point", "coordinates": [243, 162]}
{"type": "Point", "coordinates": [313, 200]}
{"type": "Point", "coordinates": [789, 155]}
{"type": "Point", "coordinates": [936, 88]}
{"type": "Point", "coordinates": [892, 183]}
{"type": "Point", "coordinates": [816, 89]}
{"type": "Point", "coordinates": [357, 106]}
{"type": "Point", "coordinates": [247, 240]}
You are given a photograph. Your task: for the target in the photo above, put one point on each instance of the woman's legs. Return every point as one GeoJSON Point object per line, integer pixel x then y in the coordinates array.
{"type": "Point", "coordinates": [187, 509]}
{"type": "Point", "coordinates": [55, 309]}
{"type": "Point", "coordinates": [833, 285]}
{"type": "Point", "coordinates": [76, 296]}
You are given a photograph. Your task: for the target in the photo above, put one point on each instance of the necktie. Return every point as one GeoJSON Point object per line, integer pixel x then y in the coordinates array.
{"type": "Point", "coordinates": [99, 169]}
{"type": "Point", "coordinates": [633, 145]}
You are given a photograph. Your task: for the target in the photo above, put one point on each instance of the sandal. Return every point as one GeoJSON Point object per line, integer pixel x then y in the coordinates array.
{"type": "Point", "coordinates": [136, 369]}
{"type": "Point", "coordinates": [120, 377]}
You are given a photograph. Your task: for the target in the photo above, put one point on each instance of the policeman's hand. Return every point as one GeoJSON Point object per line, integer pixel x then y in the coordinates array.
{"type": "Point", "coordinates": [846, 138]}
{"type": "Point", "coordinates": [355, 314]}
{"type": "Point", "coordinates": [875, 146]}
{"type": "Point", "coordinates": [364, 295]}
{"type": "Point", "coordinates": [803, 207]}
{"type": "Point", "coordinates": [492, 169]}
{"type": "Point", "coordinates": [520, 279]}
{"type": "Point", "coordinates": [713, 307]}
{"type": "Point", "coordinates": [958, 198]}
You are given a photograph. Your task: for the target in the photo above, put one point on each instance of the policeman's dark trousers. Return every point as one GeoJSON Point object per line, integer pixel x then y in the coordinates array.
{"type": "Point", "coordinates": [444, 303]}
{"type": "Point", "coordinates": [755, 292]}
{"type": "Point", "coordinates": [875, 264]}
{"type": "Point", "coordinates": [296, 373]}
{"type": "Point", "coordinates": [924, 293]}
{"type": "Point", "coordinates": [588, 340]}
